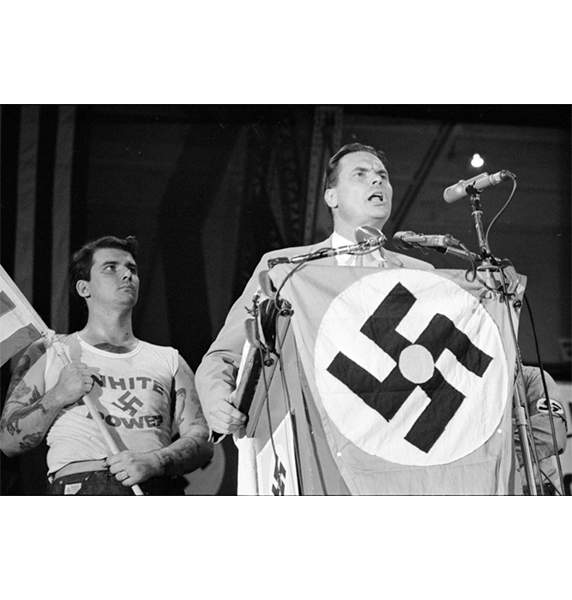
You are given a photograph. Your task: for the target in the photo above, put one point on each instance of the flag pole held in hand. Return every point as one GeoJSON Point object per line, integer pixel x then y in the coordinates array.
{"type": "Point", "coordinates": [95, 414]}
{"type": "Point", "coordinates": [21, 326]}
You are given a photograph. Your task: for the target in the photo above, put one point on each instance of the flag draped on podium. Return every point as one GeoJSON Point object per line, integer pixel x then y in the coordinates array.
{"type": "Point", "coordinates": [19, 325]}
{"type": "Point", "coordinates": [406, 378]}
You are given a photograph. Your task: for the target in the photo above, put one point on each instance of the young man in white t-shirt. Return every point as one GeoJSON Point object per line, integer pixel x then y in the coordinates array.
{"type": "Point", "coordinates": [145, 394]}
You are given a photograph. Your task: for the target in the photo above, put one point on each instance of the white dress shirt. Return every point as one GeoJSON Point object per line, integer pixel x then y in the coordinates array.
{"type": "Point", "coordinates": [376, 259]}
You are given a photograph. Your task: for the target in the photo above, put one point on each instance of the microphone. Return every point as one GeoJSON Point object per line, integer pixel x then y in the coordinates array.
{"type": "Point", "coordinates": [445, 244]}
{"type": "Point", "coordinates": [410, 239]}
{"type": "Point", "coordinates": [368, 239]}
{"type": "Point", "coordinates": [372, 239]}
{"type": "Point", "coordinates": [479, 182]}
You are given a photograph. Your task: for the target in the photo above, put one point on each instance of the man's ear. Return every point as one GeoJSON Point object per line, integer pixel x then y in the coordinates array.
{"type": "Point", "coordinates": [331, 197]}
{"type": "Point", "coordinates": [82, 288]}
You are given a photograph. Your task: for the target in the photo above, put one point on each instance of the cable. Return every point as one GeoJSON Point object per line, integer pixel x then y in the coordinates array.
{"type": "Point", "coordinates": [545, 389]}
{"type": "Point", "coordinates": [309, 423]}
{"type": "Point", "coordinates": [549, 481]}
{"type": "Point", "coordinates": [292, 415]}
{"type": "Point", "coordinates": [500, 212]}
{"type": "Point", "coordinates": [313, 256]}
{"type": "Point", "coordinates": [267, 405]}
{"type": "Point", "coordinates": [294, 270]}
{"type": "Point", "coordinates": [528, 441]}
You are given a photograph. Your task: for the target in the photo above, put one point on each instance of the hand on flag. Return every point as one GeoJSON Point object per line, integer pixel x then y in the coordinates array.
{"type": "Point", "coordinates": [131, 468]}
{"type": "Point", "coordinates": [75, 381]}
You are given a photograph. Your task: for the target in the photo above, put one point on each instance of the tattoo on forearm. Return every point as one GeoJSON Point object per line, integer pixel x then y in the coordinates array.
{"type": "Point", "coordinates": [21, 369]}
{"type": "Point", "coordinates": [181, 396]}
{"type": "Point", "coordinates": [183, 456]}
{"type": "Point", "coordinates": [19, 392]}
{"type": "Point", "coordinates": [31, 440]}
{"type": "Point", "coordinates": [166, 461]}
{"type": "Point", "coordinates": [16, 410]}
{"type": "Point", "coordinates": [25, 363]}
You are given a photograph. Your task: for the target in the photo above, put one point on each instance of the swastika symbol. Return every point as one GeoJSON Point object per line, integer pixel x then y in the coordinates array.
{"type": "Point", "coordinates": [389, 395]}
{"type": "Point", "coordinates": [127, 405]}
{"type": "Point", "coordinates": [279, 475]}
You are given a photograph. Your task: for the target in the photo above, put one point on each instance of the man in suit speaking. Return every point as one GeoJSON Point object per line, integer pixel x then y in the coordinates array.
{"type": "Point", "coordinates": [358, 192]}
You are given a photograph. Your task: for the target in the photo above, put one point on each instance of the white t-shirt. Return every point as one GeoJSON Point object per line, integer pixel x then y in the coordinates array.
{"type": "Point", "coordinates": [132, 393]}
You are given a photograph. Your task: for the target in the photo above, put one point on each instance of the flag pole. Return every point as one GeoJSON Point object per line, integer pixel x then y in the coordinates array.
{"type": "Point", "coordinates": [95, 414]}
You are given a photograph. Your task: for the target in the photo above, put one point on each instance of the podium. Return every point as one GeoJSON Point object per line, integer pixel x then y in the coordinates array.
{"type": "Point", "coordinates": [379, 381]}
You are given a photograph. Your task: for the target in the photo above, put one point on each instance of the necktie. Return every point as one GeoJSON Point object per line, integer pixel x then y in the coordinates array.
{"type": "Point", "coordinates": [359, 260]}
{"type": "Point", "coordinates": [371, 259]}
{"type": "Point", "coordinates": [377, 259]}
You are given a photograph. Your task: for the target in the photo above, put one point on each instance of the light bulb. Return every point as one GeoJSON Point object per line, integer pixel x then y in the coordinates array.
{"type": "Point", "coordinates": [477, 161]}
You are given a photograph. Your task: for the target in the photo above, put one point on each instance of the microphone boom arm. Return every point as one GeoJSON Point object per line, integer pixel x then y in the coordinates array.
{"type": "Point", "coordinates": [369, 242]}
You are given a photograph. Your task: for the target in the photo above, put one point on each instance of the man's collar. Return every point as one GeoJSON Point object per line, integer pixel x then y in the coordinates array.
{"type": "Point", "coordinates": [339, 240]}
{"type": "Point", "coordinates": [376, 258]}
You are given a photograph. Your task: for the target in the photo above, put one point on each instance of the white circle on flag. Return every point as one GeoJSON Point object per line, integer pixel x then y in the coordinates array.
{"type": "Point", "coordinates": [416, 363]}
{"type": "Point", "coordinates": [485, 397]}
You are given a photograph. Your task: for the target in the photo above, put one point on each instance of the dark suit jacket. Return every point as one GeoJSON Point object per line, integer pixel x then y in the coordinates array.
{"type": "Point", "coordinates": [215, 376]}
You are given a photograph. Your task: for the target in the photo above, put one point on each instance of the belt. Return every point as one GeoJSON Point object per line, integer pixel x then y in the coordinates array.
{"type": "Point", "coordinates": [81, 466]}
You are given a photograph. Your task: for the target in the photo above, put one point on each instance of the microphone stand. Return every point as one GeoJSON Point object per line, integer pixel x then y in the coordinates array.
{"type": "Point", "coordinates": [492, 266]}
{"type": "Point", "coordinates": [477, 214]}
{"type": "Point", "coordinates": [365, 246]}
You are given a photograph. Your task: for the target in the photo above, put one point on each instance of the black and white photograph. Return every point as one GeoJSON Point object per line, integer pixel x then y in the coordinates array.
{"type": "Point", "coordinates": [297, 278]}
{"type": "Point", "coordinates": [286, 300]}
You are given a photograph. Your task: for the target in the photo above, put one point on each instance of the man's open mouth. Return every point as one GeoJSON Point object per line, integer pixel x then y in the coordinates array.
{"type": "Point", "coordinates": [376, 196]}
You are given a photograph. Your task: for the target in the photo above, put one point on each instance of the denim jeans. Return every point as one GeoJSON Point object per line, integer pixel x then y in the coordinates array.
{"type": "Point", "coordinates": [103, 483]}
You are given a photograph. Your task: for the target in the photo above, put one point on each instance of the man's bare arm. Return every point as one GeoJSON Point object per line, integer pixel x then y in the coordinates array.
{"type": "Point", "coordinates": [30, 410]}
{"type": "Point", "coordinates": [190, 451]}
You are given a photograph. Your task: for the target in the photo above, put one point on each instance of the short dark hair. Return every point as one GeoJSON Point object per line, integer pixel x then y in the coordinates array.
{"type": "Point", "coordinates": [331, 174]}
{"type": "Point", "coordinates": [82, 260]}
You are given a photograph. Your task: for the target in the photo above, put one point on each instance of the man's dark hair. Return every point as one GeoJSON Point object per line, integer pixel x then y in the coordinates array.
{"type": "Point", "coordinates": [82, 260]}
{"type": "Point", "coordinates": [331, 174]}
